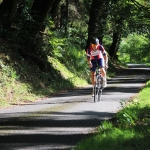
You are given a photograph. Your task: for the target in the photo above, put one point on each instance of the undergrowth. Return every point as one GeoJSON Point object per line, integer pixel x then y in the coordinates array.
{"type": "Point", "coordinates": [23, 81]}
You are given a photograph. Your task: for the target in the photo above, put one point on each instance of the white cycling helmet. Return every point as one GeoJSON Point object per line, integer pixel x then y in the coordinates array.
{"type": "Point", "coordinates": [95, 41]}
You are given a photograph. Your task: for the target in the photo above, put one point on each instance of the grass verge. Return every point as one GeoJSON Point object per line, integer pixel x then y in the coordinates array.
{"type": "Point", "coordinates": [23, 81]}
{"type": "Point", "coordinates": [128, 130]}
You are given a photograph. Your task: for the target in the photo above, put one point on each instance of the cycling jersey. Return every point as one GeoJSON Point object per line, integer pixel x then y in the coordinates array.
{"type": "Point", "coordinates": [96, 54]}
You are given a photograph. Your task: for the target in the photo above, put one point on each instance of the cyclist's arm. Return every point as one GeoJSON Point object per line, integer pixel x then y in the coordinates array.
{"type": "Point", "coordinates": [88, 56]}
{"type": "Point", "coordinates": [106, 60]}
{"type": "Point", "coordinates": [105, 55]}
{"type": "Point", "coordinates": [88, 60]}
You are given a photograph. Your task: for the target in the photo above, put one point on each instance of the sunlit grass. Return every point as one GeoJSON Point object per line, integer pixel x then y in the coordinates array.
{"type": "Point", "coordinates": [129, 130]}
{"type": "Point", "coordinates": [22, 81]}
{"type": "Point", "coordinates": [66, 74]}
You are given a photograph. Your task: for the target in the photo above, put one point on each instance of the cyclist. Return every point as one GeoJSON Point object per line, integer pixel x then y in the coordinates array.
{"type": "Point", "coordinates": [96, 55]}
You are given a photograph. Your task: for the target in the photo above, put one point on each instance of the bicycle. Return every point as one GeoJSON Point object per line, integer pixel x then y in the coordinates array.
{"type": "Point", "coordinates": [98, 86]}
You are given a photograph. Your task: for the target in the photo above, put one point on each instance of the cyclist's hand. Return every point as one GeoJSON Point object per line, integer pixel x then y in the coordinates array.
{"type": "Point", "coordinates": [90, 65]}
{"type": "Point", "coordinates": [106, 66]}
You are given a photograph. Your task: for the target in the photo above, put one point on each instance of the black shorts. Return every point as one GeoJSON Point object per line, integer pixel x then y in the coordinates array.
{"type": "Point", "coordinates": [97, 63]}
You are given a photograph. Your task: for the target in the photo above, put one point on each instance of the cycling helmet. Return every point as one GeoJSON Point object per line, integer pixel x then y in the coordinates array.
{"type": "Point", "coordinates": [95, 41]}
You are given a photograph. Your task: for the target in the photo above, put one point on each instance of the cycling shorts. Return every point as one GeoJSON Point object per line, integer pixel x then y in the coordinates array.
{"type": "Point", "coordinates": [97, 63]}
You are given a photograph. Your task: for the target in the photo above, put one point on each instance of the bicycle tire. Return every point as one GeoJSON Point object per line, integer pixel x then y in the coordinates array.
{"type": "Point", "coordinates": [99, 95]}
{"type": "Point", "coordinates": [100, 89]}
{"type": "Point", "coordinates": [97, 92]}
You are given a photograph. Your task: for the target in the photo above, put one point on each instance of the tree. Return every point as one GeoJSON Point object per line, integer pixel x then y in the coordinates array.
{"type": "Point", "coordinates": [54, 9]}
{"type": "Point", "coordinates": [39, 11]}
{"type": "Point", "coordinates": [126, 17]}
{"type": "Point", "coordinates": [7, 11]}
{"type": "Point", "coordinates": [115, 45]}
{"type": "Point", "coordinates": [97, 20]}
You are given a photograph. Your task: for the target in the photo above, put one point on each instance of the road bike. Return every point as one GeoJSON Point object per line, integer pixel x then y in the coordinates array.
{"type": "Point", "coordinates": [98, 87]}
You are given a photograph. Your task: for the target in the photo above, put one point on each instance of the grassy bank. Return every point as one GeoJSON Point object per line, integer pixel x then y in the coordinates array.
{"type": "Point", "coordinates": [22, 80]}
{"type": "Point", "coordinates": [128, 130]}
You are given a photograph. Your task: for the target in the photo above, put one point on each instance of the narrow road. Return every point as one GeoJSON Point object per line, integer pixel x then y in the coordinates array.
{"type": "Point", "coordinates": [59, 122]}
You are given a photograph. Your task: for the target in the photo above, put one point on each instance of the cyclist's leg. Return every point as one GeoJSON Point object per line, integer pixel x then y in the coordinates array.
{"type": "Point", "coordinates": [92, 77]}
{"type": "Point", "coordinates": [93, 69]}
{"type": "Point", "coordinates": [103, 72]}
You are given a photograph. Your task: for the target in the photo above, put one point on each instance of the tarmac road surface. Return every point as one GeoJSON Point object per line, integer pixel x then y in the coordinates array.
{"type": "Point", "coordinates": [59, 122]}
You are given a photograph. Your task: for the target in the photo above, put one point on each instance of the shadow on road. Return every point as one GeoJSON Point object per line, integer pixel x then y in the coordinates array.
{"type": "Point", "coordinates": [55, 128]}
{"type": "Point", "coordinates": [59, 129]}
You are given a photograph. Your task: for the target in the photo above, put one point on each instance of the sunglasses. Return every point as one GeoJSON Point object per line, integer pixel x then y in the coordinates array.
{"type": "Point", "coordinates": [94, 45]}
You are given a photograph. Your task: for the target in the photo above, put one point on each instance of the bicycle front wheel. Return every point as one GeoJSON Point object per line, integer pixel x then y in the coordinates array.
{"type": "Point", "coordinates": [100, 89]}
{"type": "Point", "coordinates": [95, 94]}
{"type": "Point", "coordinates": [96, 89]}
{"type": "Point", "coordinates": [99, 94]}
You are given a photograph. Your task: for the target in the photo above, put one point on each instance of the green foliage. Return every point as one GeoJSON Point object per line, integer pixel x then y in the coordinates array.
{"type": "Point", "coordinates": [21, 80]}
{"type": "Point", "coordinates": [107, 41]}
{"type": "Point", "coordinates": [56, 65]}
{"type": "Point", "coordinates": [127, 130]}
{"type": "Point", "coordinates": [125, 118]}
{"type": "Point", "coordinates": [66, 74]}
{"type": "Point", "coordinates": [77, 36]}
{"type": "Point", "coordinates": [134, 49]}
{"type": "Point", "coordinates": [67, 52]}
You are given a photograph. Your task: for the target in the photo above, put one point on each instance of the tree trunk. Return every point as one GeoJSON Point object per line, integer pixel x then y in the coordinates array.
{"type": "Point", "coordinates": [114, 46]}
{"type": "Point", "coordinates": [67, 15]}
{"type": "Point", "coordinates": [54, 9]}
{"type": "Point", "coordinates": [7, 11]}
{"type": "Point", "coordinates": [39, 12]}
{"type": "Point", "coordinates": [97, 21]}
{"type": "Point", "coordinates": [21, 6]}
{"type": "Point", "coordinates": [64, 16]}
{"type": "Point", "coordinates": [55, 14]}
{"type": "Point", "coordinates": [32, 28]}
